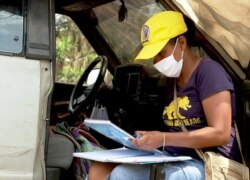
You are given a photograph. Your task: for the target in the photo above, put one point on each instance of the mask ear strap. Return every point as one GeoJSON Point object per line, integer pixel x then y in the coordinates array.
{"type": "Point", "coordinates": [182, 54]}
{"type": "Point", "coordinates": [175, 45]}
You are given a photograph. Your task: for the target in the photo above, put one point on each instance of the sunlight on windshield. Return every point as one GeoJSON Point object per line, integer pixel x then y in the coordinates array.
{"type": "Point", "coordinates": [92, 76]}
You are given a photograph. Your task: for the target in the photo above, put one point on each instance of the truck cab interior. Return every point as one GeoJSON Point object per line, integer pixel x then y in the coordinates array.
{"type": "Point", "coordinates": [132, 94]}
{"type": "Point", "coordinates": [135, 98]}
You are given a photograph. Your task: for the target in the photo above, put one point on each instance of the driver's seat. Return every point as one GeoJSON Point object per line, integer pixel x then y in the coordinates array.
{"type": "Point", "coordinates": [59, 157]}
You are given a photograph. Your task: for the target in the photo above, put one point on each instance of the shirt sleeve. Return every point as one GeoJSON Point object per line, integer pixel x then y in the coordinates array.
{"type": "Point", "coordinates": [212, 78]}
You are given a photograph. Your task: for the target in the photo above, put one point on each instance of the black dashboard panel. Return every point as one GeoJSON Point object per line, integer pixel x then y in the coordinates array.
{"type": "Point", "coordinates": [142, 95]}
{"type": "Point", "coordinates": [139, 83]}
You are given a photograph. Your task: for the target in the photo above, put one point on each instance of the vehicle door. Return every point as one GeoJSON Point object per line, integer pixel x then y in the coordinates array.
{"type": "Point", "coordinates": [26, 77]}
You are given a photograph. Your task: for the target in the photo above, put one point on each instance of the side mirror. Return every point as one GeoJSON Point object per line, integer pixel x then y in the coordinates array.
{"type": "Point", "coordinates": [92, 77]}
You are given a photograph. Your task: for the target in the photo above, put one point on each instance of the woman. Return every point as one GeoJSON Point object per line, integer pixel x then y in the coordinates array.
{"type": "Point", "coordinates": [205, 103]}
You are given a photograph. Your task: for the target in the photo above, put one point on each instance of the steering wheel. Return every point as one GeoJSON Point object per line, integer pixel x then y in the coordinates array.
{"type": "Point", "coordinates": [82, 95]}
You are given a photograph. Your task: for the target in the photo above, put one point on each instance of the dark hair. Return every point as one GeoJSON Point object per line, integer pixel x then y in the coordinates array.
{"type": "Point", "coordinates": [191, 34]}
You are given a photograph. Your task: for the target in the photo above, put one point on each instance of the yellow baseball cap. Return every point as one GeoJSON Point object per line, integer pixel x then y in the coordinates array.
{"type": "Point", "coordinates": [158, 30]}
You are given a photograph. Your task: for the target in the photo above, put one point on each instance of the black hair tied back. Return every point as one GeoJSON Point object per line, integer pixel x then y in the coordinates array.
{"type": "Point", "coordinates": [193, 39]}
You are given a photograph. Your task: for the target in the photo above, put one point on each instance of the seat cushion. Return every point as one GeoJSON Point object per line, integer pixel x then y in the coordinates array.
{"type": "Point", "coordinates": [60, 151]}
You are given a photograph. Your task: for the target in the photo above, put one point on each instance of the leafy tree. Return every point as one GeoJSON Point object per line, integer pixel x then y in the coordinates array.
{"type": "Point", "coordinates": [73, 51]}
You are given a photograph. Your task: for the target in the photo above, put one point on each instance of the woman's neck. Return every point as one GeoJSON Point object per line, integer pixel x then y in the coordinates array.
{"type": "Point", "coordinates": [190, 63]}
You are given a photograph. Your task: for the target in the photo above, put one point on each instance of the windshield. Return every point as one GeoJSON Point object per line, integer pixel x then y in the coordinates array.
{"type": "Point", "coordinates": [224, 36]}
{"type": "Point", "coordinates": [11, 26]}
{"type": "Point", "coordinates": [124, 37]}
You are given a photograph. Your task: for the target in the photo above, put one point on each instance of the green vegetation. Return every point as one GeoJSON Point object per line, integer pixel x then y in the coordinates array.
{"type": "Point", "coordinates": [73, 51]}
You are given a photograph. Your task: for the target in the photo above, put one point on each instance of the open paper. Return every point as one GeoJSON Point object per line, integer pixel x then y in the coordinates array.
{"type": "Point", "coordinates": [125, 155]}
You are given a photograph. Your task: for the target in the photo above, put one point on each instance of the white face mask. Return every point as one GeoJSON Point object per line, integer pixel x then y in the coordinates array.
{"type": "Point", "coordinates": [169, 66]}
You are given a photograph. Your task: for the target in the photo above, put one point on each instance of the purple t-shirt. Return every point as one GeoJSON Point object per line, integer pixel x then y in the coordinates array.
{"type": "Point", "coordinates": [208, 78]}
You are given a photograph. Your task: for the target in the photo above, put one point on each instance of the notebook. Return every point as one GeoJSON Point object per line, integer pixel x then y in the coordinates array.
{"type": "Point", "coordinates": [112, 131]}
{"type": "Point", "coordinates": [129, 153]}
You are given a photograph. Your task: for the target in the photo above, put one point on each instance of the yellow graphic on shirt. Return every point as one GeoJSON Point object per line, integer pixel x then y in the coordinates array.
{"type": "Point", "coordinates": [183, 103]}
{"type": "Point", "coordinates": [172, 115]}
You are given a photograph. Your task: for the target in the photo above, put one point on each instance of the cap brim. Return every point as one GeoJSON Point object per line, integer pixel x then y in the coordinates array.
{"type": "Point", "coordinates": [149, 51]}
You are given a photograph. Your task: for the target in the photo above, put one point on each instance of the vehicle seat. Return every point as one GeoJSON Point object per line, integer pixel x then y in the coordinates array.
{"type": "Point", "coordinates": [59, 157]}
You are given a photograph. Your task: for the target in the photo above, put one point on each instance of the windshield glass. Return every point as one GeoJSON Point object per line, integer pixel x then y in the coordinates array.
{"type": "Point", "coordinates": [124, 36]}
{"type": "Point", "coordinates": [11, 26]}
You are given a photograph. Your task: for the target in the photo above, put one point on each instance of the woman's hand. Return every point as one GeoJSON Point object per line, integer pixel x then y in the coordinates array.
{"type": "Point", "coordinates": [148, 140]}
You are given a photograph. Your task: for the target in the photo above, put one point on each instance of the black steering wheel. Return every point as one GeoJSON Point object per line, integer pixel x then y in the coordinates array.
{"type": "Point", "coordinates": [82, 95]}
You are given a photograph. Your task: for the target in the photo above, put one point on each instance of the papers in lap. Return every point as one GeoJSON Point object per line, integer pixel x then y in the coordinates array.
{"type": "Point", "coordinates": [125, 155]}
{"type": "Point", "coordinates": [129, 153]}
